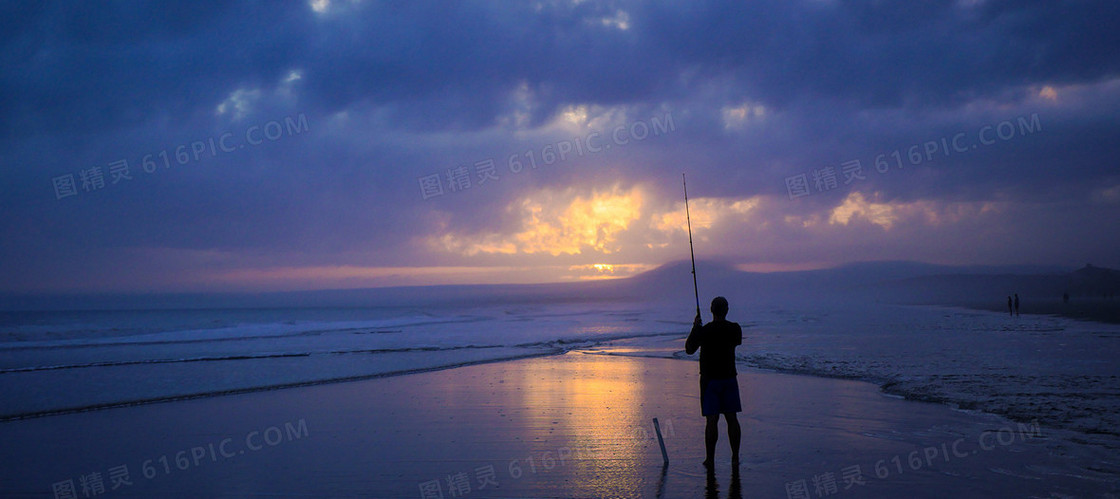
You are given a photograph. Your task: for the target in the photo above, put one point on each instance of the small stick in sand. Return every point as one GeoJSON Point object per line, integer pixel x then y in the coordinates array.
{"type": "Point", "coordinates": [660, 441]}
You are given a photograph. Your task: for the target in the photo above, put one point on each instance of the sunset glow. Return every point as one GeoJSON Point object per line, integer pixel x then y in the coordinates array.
{"type": "Point", "coordinates": [558, 222]}
{"type": "Point", "coordinates": [423, 153]}
{"type": "Point", "coordinates": [545, 248]}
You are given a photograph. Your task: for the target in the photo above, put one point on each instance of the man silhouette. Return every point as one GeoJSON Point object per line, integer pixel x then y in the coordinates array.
{"type": "Point", "coordinates": [1016, 304]}
{"type": "Point", "coordinates": [719, 389]}
{"type": "Point", "coordinates": [1010, 310]}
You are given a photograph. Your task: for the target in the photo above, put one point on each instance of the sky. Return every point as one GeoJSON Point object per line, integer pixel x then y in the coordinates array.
{"type": "Point", "coordinates": [289, 145]}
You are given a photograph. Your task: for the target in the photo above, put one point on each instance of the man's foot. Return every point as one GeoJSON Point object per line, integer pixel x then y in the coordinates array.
{"type": "Point", "coordinates": [707, 463]}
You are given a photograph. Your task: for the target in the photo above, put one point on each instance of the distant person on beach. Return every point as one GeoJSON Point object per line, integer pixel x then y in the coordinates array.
{"type": "Point", "coordinates": [719, 389]}
{"type": "Point", "coordinates": [1010, 307]}
{"type": "Point", "coordinates": [1016, 304]}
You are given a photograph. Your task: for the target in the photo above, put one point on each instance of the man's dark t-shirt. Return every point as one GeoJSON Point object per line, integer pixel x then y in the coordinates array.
{"type": "Point", "coordinates": [717, 341]}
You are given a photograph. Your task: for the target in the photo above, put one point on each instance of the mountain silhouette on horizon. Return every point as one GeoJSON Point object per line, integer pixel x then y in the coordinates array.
{"type": "Point", "coordinates": [877, 281]}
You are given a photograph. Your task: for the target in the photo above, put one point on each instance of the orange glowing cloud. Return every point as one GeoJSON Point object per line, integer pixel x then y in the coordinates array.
{"type": "Point", "coordinates": [599, 222]}
{"type": "Point", "coordinates": [556, 223]}
{"type": "Point", "coordinates": [704, 212]}
{"type": "Point", "coordinates": [889, 214]}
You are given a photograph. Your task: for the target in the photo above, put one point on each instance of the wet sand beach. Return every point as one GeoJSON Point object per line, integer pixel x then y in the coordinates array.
{"type": "Point", "coordinates": [572, 425]}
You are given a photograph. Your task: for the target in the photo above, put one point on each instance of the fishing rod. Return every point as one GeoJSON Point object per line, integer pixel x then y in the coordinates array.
{"type": "Point", "coordinates": [691, 251]}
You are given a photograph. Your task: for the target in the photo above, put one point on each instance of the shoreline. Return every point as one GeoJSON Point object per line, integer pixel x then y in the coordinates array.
{"type": "Point", "coordinates": [570, 425]}
{"type": "Point", "coordinates": [284, 386]}
{"type": "Point", "coordinates": [1104, 311]}
{"type": "Point", "coordinates": [609, 346]}
{"type": "Point", "coordinates": [886, 386]}
{"type": "Point", "coordinates": [365, 364]}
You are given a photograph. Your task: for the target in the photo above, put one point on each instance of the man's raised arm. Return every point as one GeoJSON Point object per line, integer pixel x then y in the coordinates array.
{"type": "Point", "coordinates": [693, 341]}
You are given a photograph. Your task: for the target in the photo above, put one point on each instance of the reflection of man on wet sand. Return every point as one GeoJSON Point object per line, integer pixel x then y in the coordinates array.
{"type": "Point", "coordinates": [719, 389]}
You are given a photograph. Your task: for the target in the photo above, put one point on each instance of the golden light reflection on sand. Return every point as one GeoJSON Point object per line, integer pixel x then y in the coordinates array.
{"type": "Point", "coordinates": [600, 400]}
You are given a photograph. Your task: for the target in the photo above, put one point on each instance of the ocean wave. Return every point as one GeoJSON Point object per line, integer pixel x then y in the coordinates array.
{"type": "Point", "coordinates": [1087, 404]}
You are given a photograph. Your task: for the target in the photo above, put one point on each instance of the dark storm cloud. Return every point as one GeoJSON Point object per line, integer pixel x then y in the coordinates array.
{"type": "Point", "coordinates": [395, 90]}
{"type": "Point", "coordinates": [889, 54]}
{"type": "Point", "coordinates": [84, 68]}
{"type": "Point", "coordinates": [85, 65]}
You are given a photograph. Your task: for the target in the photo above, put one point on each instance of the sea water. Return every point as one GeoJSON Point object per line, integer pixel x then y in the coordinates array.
{"type": "Point", "coordinates": [1056, 372]}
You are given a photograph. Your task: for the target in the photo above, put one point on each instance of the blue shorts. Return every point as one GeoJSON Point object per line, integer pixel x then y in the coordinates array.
{"type": "Point", "coordinates": [719, 396]}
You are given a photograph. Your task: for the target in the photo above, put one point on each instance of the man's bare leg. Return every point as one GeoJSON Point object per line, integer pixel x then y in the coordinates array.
{"type": "Point", "coordinates": [734, 435]}
{"type": "Point", "coordinates": [711, 436]}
